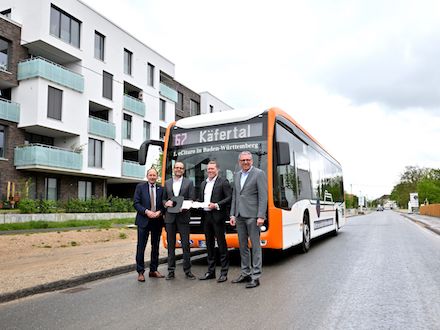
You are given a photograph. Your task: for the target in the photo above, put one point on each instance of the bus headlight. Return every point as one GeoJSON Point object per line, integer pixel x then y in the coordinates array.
{"type": "Point", "coordinates": [263, 228]}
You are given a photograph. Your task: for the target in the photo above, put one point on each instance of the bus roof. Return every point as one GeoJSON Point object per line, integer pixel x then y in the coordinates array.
{"type": "Point", "coordinates": [218, 118]}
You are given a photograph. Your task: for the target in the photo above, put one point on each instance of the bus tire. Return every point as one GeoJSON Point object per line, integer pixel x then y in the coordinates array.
{"type": "Point", "coordinates": [336, 230]}
{"type": "Point", "coordinates": [305, 244]}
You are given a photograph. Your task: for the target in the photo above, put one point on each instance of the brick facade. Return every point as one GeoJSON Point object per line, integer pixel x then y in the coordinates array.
{"type": "Point", "coordinates": [12, 33]}
{"type": "Point", "coordinates": [188, 95]}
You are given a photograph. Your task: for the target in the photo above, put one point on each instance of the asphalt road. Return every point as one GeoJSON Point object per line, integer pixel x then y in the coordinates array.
{"type": "Point", "coordinates": [381, 272]}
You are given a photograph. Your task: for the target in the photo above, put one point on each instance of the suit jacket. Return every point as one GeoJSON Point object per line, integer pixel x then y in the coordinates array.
{"type": "Point", "coordinates": [221, 194]}
{"type": "Point", "coordinates": [141, 202]}
{"type": "Point", "coordinates": [251, 201]}
{"type": "Point", "coordinates": [187, 191]}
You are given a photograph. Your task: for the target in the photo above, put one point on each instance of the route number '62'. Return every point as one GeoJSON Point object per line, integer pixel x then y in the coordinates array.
{"type": "Point", "coordinates": [179, 139]}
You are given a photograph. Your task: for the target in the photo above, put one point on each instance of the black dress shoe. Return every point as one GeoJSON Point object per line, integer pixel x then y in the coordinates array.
{"type": "Point", "coordinates": [253, 284]}
{"type": "Point", "coordinates": [242, 278]}
{"type": "Point", "coordinates": [190, 276]}
{"type": "Point", "coordinates": [170, 276]}
{"type": "Point", "coordinates": [207, 276]}
{"type": "Point", "coordinates": [222, 278]}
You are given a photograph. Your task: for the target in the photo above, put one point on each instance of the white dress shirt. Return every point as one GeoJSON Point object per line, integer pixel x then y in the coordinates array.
{"type": "Point", "coordinates": [177, 184]}
{"type": "Point", "coordinates": [208, 192]}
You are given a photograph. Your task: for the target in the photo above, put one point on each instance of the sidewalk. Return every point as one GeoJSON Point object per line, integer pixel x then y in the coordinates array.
{"type": "Point", "coordinates": [431, 223]}
{"type": "Point", "coordinates": [32, 263]}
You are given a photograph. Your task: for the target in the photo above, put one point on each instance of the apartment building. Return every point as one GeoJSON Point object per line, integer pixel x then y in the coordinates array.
{"type": "Point", "coordinates": [210, 104]}
{"type": "Point", "coordinates": [78, 97]}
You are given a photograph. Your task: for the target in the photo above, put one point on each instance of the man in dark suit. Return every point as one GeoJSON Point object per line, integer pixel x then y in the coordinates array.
{"type": "Point", "coordinates": [149, 219]}
{"type": "Point", "coordinates": [248, 211]}
{"type": "Point", "coordinates": [216, 192]}
{"type": "Point", "coordinates": [178, 222]}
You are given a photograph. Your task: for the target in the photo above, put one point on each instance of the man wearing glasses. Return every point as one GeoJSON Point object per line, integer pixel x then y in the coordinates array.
{"type": "Point", "coordinates": [248, 212]}
{"type": "Point", "coordinates": [178, 222]}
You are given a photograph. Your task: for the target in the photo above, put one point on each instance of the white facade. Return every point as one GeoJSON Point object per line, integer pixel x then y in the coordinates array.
{"type": "Point", "coordinates": [72, 131]}
{"type": "Point", "coordinates": [209, 104]}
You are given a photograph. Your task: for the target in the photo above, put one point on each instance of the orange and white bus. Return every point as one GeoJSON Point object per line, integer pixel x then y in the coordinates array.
{"type": "Point", "coordinates": [305, 183]}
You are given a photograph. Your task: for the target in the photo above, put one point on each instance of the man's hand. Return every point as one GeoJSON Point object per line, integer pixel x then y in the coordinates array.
{"type": "Point", "coordinates": [232, 220]}
{"type": "Point", "coordinates": [169, 203]}
{"type": "Point", "coordinates": [260, 222]}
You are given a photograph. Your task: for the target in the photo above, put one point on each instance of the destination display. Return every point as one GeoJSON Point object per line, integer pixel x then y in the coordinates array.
{"type": "Point", "coordinates": [218, 134]}
{"type": "Point", "coordinates": [240, 146]}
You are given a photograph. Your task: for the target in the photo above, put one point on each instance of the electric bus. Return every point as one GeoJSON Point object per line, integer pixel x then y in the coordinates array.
{"type": "Point", "coordinates": [305, 183]}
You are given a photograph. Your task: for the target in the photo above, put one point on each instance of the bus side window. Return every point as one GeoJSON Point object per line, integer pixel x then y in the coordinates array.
{"type": "Point", "coordinates": [285, 179]}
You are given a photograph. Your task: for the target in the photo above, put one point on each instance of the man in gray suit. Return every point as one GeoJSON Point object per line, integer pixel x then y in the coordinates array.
{"type": "Point", "coordinates": [248, 212]}
{"type": "Point", "coordinates": [178, 222]}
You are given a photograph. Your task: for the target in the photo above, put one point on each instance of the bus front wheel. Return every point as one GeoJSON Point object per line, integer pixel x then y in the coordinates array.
{"type": "Point", "coordinates": [305, 245]}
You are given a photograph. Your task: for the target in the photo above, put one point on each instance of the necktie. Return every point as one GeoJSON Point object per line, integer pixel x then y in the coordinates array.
{"type": "Point", "coordinates": [152, 204]}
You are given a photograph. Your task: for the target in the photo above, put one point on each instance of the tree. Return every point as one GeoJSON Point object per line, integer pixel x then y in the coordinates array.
{"type": "Point", "coordinates": [424, 181]}
{"type": "Point", "coordinates": [429, 187]}
{"type": "Point", "coordinates": [158, 166]}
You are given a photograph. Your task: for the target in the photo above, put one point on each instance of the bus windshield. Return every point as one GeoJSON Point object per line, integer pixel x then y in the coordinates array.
{"type": "Point", "coordinates": [197, 146]}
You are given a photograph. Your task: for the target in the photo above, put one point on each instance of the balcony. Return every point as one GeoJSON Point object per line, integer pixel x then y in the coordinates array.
{"type": "Point", "coordinates": [102, 128]}
{"type": "Point", "coordinates": [40, 67]}
{"type": "Point", "coordinates": [168, 92]}
{"type": "Point", "coordinates": [9, 110]}
{"type": "Point", "coordinates": [36, 155]}
{"type": "Point", "coordinates": [133, 169]}
{"type": "Point", "coordinates": [134, 105]}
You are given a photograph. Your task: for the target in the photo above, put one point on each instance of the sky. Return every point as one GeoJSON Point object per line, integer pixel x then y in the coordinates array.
{"type": "Point", "coordinates": [362, 77]}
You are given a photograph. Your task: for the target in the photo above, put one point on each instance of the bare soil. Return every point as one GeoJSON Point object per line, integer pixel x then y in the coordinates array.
{"type": "Point", "coordinates": [27, 260]}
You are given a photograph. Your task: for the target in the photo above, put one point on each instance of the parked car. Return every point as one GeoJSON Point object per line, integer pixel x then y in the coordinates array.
{"type": "Point", "coordinates": [379, 208]}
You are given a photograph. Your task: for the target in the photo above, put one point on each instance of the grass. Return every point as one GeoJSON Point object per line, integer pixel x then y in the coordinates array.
{"type": "Point", "coordinates": [103, 224]}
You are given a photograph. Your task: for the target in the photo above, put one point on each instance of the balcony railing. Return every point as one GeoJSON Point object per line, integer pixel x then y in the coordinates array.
{"type": "Point", "coordinates": [133, 169]}
{"type": "Point", "coordinates": [102, 127]}
{"type": "Point", "coordinates": [44, 155]}
{"type": "Point", "coordinates": [40, 67]}
{"type": "Point", "coordinates": [134, 105]}
{"type": "Point", "coordinates": [9, 110]}
{"type": "Point", "coordinates": [168, 92]}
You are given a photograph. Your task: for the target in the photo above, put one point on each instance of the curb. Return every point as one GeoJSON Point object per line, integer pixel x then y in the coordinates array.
{"type": "Point", "coordinates": [421, 223]}
{"type": "Point", "coordinates": [65, 284]}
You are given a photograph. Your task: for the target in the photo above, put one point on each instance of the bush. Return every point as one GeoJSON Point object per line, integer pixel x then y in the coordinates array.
{"type": "Point", "coordinates": [28, 206]}
{"type": "Point", "coordinates": [48, 206]}
{"type": "Point", "coordinates": [94, 205]}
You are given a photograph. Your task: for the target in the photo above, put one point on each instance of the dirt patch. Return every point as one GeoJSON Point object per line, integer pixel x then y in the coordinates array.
{"type": "Point", "coordinates": [27, 260]}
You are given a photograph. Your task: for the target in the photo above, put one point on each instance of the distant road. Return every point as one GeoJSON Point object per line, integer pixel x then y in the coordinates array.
{"type": "Point", "coordinates": [381, 272]}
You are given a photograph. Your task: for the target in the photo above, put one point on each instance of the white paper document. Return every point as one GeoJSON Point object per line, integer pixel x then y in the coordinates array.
{"type": "Point", "coordinates": [195, 205]}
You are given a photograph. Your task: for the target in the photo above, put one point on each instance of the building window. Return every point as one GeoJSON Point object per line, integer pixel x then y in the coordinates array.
{"type": "Point", "coordinates": [107, 85]}
{"type": "Point", "coordinates": [127, 61]}
{"type": "Point", "coordinates": [147, 133]}
{"type": "Point", "coordinates": [194, 108]}
{"type": "Point", "coordinates": [6, 13]}
{"type": "Point", "coordinates": [179, 104]}
{"type": "Point", "coordinates": [162, 133]}
{"type": "Point", "coordinates": [127, 127]}
{"type": "Point", "coordinates": [2, 141]}
{"type": "Point", "coordinates": [4, 52]}
{"type": "Point", "coordinates": [51, 189]}
{"type": "Point", "coordinates": [85, 190]}
{"type": "Point", "coordinates": [211, 108]}
{"type": "Point", "coordinates": [99, 46]}
{"type": "Point", "coordinates": [64, 26]}
{"type": "Point", "coordinates": [162, 110]}
{"type": "Point", "coordinates": [150, 75]}
{"type": "Point", "coordinates": [95, 152]}
{"type": "Point", "coordinates": [54, 103]}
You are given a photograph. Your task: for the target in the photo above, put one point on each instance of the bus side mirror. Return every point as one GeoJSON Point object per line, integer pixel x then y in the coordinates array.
{"type": "Point", "coordinates": [283, 153]}
{"type": "Point", "coordinates": [143, 150]}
